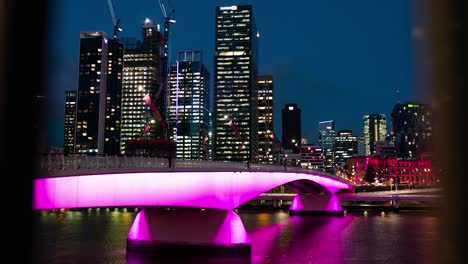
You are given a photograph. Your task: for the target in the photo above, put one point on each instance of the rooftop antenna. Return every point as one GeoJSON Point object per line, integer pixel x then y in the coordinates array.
{"type": "Point", "coordinates": [398, 96]}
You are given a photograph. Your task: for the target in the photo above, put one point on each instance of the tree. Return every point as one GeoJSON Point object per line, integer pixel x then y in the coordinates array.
{"type": "Point", "coordinates": [370, 173]}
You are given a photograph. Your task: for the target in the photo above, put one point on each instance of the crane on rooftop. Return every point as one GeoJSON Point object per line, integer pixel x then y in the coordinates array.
{"type": "Point", "coordinates": [115, 21]}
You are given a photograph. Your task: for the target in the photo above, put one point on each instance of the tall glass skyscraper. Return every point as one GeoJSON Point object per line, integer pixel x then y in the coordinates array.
{"type": "Point", "coordinates": [291, 127]}
{"type": "Point", "coordinates": [99, 94]}
{"type": "Point", "coordinates": [235, 92]}
{"type": "Point", "coordinates": [189, 91]}
{"type": "Point", "coordinates": [141, 76]}
{"type": "Point", "coordinates": [326, 137]}
{"type": "Point", "coordinates": [412, 129]}
{"type": "Point", "coordinates": [69, 126]}
{"type": "Point", "coordinates": [344, 147]}
{"type": "Point", "coordinates": [265, 119]}
{"type": "Point", "coordinates": [375, 130]}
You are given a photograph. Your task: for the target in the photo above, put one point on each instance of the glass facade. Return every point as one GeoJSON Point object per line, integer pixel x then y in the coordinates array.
{"type": "Point", "coordinates": [265, 119]}
{"type": "Point", "coordinates": [69, 126]}
{"type": "Point", "coordinates": [375, 130]}
{"type": "Point", "coordinates": [291, 127]}
{"type": "Point", "coordinates": [344, 147]}
{"type": "Point", "coordinates": [326, 138]}
{"type": "Point", "coordinates": [412, 129]}
{"type": "Point", "coordinates": [189, 85]}
{"type": "Point", "coordinates": [99, 94]}
{"type": "Point", "coordinates": [141, 76]}
{"type": "Point", "coordinates": [235, 93]}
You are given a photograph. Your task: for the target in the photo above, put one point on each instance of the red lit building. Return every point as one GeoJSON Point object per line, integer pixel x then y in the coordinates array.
{"type": "Point", "coordinates": [384, 169]}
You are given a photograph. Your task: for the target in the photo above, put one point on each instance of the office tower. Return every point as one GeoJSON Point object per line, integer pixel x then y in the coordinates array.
{"type": "Point", "coordinates": [265, 119]}
{"type": "Point", "coordinates": [141, 77]}
{"type": "Point", "coordinates": [344, 147]}
{"type": "Point", "coordinates": [291, 127]}
{"type": "Point", "coordinates": [312, 157]}
{"type": "Point", "coordinates": [98, 97]}
{"type": "Point", "coordinates": [189, 91]}
{"type": "Point", "coordinates": [326, 137]}
{"type": "Point", "coordinates": [361, 146]}
{"type": "Point", "coordinates": [210, 137]}
{"type": "Point", "coordinates": [412, 129]}
{"type": "Point", "coordinates": [235, 107]}
{"type": "Point", "coordinates": [375, 130]}
{"type": "Point", "coordinates": [70, 118]}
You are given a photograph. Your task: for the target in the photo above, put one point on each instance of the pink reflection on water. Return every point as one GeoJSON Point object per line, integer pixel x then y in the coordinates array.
{"type": "Point", "coordinates": [188, 227]}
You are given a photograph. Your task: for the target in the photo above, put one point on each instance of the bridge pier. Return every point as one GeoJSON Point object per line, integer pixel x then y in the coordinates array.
{"type": "Point", "coordinates": [188, 233]}
{"type": "Point", "coordinates": [316, 204]}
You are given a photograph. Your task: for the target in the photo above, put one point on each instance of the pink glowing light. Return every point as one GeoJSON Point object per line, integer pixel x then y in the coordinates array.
{"type": "Point", "coordinates": [206, 227]}
{"type": "Point", "coordinates": [215, 190]}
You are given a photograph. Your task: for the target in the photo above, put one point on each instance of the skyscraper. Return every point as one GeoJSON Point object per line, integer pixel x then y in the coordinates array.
{"type": "Point", "coordinates": [326, 137]}
{"type": "Point", "coordinates": [98, 97]}
{"type": "Point", "coordinates": [70, 118]}
{"type": "Point", "coordinates": [375, 130]}
{"type": "Point", "coordinates": [265, 119]}
{"type": "Point", "coordinates": [141, 76]}
{"type": "Point", "coordinates": [189, 91]}
{"type": "Point", "coordinates": [344, 147]}
{"type": "Point", "coordinates": [412, 129]}
{"type": "Point", "coordinates": [235, 92]}
{"type": "Point", "coordinates": [291, 127]}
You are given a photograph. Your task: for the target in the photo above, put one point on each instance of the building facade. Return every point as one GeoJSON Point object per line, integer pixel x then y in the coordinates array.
{"type": "Point", "coordinates": [412, 129]}
{"type": "Point", "coordinates": [344, 147]}
{"type": "Point", "coordinates": [235, 92]}
{"type": "Point", "coordinates": [189, 95]}
{"type": "Point", "coordinates": [69, 126]}
{"type": "Point", "coordinates": [313, 157]}
{"type": "Point", "coordinates": [266, 145]}
{"type": "Point", "coordinates": [326, 138]}
{"type": "Point", "coordinates": [291, 127]}
{"type": "Point", "coordinates": [375, 130]}
{"type": "Point", "coordinates": [141, 76]}
{"type": "Point", "coordinates": [384, 169]}
{"type": "Point", "coordinates": [99, 94]}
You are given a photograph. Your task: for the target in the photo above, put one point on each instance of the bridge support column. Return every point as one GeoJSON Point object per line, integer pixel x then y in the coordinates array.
{"type": "Point", "coordinates": [316, 204]}
{"type": "Point", "coordinates": [188, 233]}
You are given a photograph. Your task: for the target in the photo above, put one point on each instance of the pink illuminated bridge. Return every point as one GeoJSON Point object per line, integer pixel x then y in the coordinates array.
{"type": "Point", "coordinates": [149, 184]}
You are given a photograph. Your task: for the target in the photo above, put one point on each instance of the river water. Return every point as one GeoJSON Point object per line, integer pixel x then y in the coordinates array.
{"type": "Point", "coordinates": [99, 236]}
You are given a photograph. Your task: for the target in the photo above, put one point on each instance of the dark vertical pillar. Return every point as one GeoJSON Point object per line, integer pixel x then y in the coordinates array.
{"type": "Point", "coordinates": [447, 40]}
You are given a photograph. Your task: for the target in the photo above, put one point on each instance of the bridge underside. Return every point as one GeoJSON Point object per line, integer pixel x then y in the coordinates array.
{"type": "Point", "coordinates": [167, 233]}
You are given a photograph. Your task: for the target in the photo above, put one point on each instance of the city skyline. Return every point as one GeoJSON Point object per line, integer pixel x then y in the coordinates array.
{"type": "Point", "coordinates": [327, 85]}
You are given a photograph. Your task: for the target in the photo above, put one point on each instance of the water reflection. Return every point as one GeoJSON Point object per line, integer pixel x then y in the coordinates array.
{"type": "Point", "coordinates": [97, 236]}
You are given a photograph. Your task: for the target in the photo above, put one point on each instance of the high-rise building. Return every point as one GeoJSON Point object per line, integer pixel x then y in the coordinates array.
{"type": "Point", "coordinates": [312, 157]}
{"type": "Point", "coordinates": [291, 127]}
{"type": "Point", "coordinates": [412, 129]}
{"type": "Point", "coordinates": [265, 119]}
{"type": "Point", "coordinates": [375, 130]}
{"type": "Point", "coordinates": [141, 76]}
{"type": "Point", "coordinates": [235, 92]}
{"type": "Point", "coordinates": [189, 93]}
{"type": "Point", "coordinates": [361, 146]}
{"type": "Point", "coordinates": [70, 118]}
{"type": "Point", "coordinates": [344, 147]}
{"type": "Point", "coordinates": [326, 137]}
{"type": "Point", "coordinates": [99, 94]}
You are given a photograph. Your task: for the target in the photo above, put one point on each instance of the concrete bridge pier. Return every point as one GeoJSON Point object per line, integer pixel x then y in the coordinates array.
{"type": "Point", "coordinates": [179, 233]}
{"type": "Point", "coordinates": [316, 204]}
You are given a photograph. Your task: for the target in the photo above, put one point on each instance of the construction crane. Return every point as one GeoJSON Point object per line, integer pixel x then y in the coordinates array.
{"type": "Point", "coordinates": [168, 19]}
{"type": "Point", "coordinates": [116, 22]}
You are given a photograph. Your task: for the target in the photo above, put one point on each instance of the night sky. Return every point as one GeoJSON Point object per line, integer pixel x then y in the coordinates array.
{"type": "Point", "coordinates": [337, 59]}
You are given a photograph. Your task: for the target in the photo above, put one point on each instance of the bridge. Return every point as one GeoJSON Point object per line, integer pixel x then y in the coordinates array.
{"type": "Point", "coordinates": [189, 205]}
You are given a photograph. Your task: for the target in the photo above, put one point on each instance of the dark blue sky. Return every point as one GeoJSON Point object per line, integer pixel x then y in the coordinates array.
{"type": "Point", "coordinates": [336, 59]}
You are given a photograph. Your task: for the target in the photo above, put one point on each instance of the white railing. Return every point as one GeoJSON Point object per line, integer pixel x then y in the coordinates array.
{"type": "Point", "coordinates": [57, 163]}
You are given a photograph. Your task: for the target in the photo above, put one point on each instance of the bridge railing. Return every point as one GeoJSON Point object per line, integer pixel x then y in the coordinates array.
{"type": "Point", "coordinates": [58, 163]}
